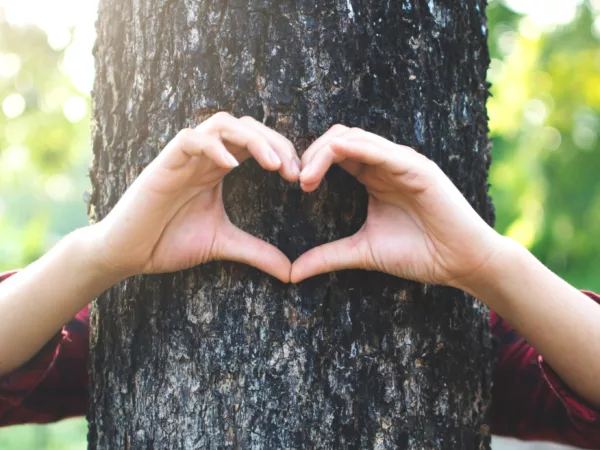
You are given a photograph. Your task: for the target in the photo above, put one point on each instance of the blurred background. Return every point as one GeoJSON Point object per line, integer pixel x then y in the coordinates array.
{"type": "Point", "coordinates": [544, 120]}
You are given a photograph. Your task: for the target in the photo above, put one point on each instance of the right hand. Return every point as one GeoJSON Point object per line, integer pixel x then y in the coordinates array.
{"type": "Point", "coordinates": [172, 217]}
{"type": "Point", "coordinates": [418, 226]}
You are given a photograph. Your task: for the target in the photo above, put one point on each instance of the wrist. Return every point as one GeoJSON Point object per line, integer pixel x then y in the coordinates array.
{"type": "Point", "coordinates": [493, 273]}
{"type": "Point", "coordinates": [87, 243]}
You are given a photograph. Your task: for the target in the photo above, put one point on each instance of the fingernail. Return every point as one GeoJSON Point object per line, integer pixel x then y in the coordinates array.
{"type": "Point", "coordinates": [274, 158]}
{"type": "Point", "coordinates": [231, 160]}
{"type": "Point", "coordinates": [296, 167]}
{"type": "Point", "coordinates": [307, 171]}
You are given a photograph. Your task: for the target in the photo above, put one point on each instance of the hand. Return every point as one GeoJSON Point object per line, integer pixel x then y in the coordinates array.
{"type": "Point", "coordinates": [172, 217]}
{"type": "Point", "coordinates": [418, 225]}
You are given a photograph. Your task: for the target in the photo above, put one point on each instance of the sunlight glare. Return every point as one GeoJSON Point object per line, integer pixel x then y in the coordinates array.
{"type": "Point", "coordinates": [68, 24]}
{"type": "Point", "coordinates": [10, 64]}
{"type": "Point", "coordinates": [13, 105]}
{"type": "Point", "coordinates": [75, 109]}
{"type": "Point", "coordinates": [546, 13]}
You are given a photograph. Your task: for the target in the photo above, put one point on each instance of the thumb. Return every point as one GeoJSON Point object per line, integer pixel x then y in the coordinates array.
{"type": "Point", "coordinates": [233, 244]}
{"type": "Point", "coordinates": [346, 253]}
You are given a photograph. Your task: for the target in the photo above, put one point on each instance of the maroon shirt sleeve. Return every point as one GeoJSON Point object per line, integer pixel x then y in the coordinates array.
{"type": "Point", "coordinates": [53, 384]}
{"type": "Point", "coordinates": [529, 401]}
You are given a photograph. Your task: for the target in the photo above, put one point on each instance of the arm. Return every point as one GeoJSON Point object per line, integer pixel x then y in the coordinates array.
{"type": "Point", "coordinates": [530, 401]}
{"type": "Point", "coordinates": [171, 218]}
{"type": "Point", "coordinates": [53, 385]}
{"type": "Point", "coordinates": [560, 322]}
{"type": "Point", "coordinates": [420, 227]}
{"type": "Point", "coordinates": [35, 298]}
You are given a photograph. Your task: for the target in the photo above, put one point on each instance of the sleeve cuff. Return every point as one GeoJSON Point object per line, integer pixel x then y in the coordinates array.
{"type": "Point", "coordinates": [19, 384]}
{"type": "Point", "coordinates": [577, 408]}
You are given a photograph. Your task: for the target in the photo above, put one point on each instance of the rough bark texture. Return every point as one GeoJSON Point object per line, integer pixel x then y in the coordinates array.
{"type": "Point", "coordinates": [223, 356]}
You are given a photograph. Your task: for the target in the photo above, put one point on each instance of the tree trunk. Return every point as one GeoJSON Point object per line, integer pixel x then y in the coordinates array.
{"type": "Point", "coordinates": [223, 356]}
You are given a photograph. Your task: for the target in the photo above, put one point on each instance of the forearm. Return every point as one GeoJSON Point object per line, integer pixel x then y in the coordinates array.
{"type": "Point", "coordinates": [559, 321]}
{"type": "Point", "coordinates": [37, 301]}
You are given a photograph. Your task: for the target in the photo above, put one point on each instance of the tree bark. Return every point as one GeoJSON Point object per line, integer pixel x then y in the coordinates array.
{"type": "Point", "coordinates": [223, 356]}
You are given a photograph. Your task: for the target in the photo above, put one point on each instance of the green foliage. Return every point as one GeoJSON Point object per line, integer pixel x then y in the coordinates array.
{"type": "Point", "coordinates": [43, 155]}
{"type": "Point", "coordinates": [544, 119]}
{"type": "Point", "coordinates": [43, 176]}
{"type": "Point", "coordinates": [544, 124]}
{"type": "Point", "coordinates": [69, 434]}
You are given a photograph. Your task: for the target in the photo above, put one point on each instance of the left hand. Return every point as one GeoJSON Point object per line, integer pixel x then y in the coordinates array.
{"type": "Point", "coordinates": [418, 226]}
{"type": "Point", "coordinates": [172, 217]}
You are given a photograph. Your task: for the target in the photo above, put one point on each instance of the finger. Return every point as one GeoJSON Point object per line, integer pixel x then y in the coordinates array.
{"type": "Point", "coordinates": [357, 149]}
{"type": "Point", "coordinates": [323, 157]}
{"type": "Point", "coordinates": [358, 134]}
{"type": "Point", "coordinates": [291, 164]}
{"type": "Point", "coordinates": [352, 167]}
{"type": "Point", "coordinates": [189, 143]}
{"type": "Point", "coordinates": [367, 150]}
{"type": "Point", "coordinates": [313, 173]}
{"type": "Point", "coordinates": [233, 131]}
{"type": "Point", "coordinates": [316, 165]}
{"type": "Point", "coordinates": [311, 177]}
{"type": "Point", "coordinates": [346, 253]}
{"type": "Point", "coordinates": [318, 158]}
{"type": "Point", "coordinates": [233, 244]}
{"type": "Point", "coordinates": [332, 133]}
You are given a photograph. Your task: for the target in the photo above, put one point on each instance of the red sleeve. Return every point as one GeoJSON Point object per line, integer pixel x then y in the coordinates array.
{"type": "Point", "coordinates": [53, 385]}
{"type": "Point", "coordinates": [529, 401]}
